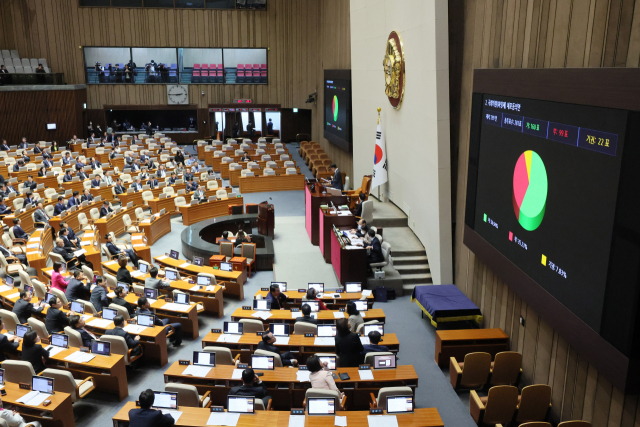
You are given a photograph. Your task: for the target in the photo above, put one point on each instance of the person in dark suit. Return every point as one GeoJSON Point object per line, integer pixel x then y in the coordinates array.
{"type": "Point", "coordinates": [179, 157]}
{"type": "Point", "coordinates": [361, 224]}
{"type": "Point", "coordinates": [148, 129]}
{"type": "Point", "coordinates": [112, 137]}
{"type": "Point", "coordinates": [4, 209]}
{"type": "Point", "coordinates": [95, 164]}
{"type": "Point", "coordinates": [76, 289]}
{"type": "Point", "coordinates": [4, 146]}
{"type": "Point", "coordinates": [19, 164]}
{"type": "Point", "coordinates": [267, 343]}
{"type": "Point", "coordinates": [23, 308]}
{"type": "Point", "coordinates": [99, 294]}
{"type": "Point", "coordinates": [79, 164]}
{"type": "Point", "coordinates": [40, 215]}
{"type": "Point", "coordinates": [276, 297]}
{"type": "Point", "coordinates": [95, 182]}
{"type": "Point", "coordinates": [123, 275]}
{"type": "Point", "coordinates": [135, 166]}
{"type": "Point", "coordinates": [74, 200]}
{"type": "Point", "coordinates": [119, 188]}
{"type": "Point", "coordinates": [9, 345]}
{"type": "Point", "coordinates": [306, 315]}
{"type": "Point", "coordinates": [82, 174]}
{"type": "Point", "coordinates": [119, 300]}
{"type": "Point", "coordinates": [188, 176]}
{"type": "Point", "coordinates": [60, 207]}
{"type": "Point", "coordinates": [144, 307]}
{"type": "Point", "coordinates": [270, 127]}
{"type": "Point", "coordinates": [336, 181]}
{"type": "Point", "coordinates": [28, 198]}
{"type": "Point", "coordinates": [86, 196]}
{"type": "Point", "coordinates": [147, 417]}
{"type": "Point", "coordinates": [72, 235]}
{"type": "Point", "coordinates": [34, 353]}
{"type": "Point", "coordinates": [358, 211]}
{"type": "Point", "coordinates": [132, 343]}
{"type": "Point", "coordinates": [162, 172]}
{"type": "Point", "coordinates": [198, 193]}
{"type": "Point", "coordinates": [65, 252]}
{"type": "Point", "coordinates": [113, 249]}
{"type": "Point", "coordinates": [23, 144]}
{"type": "Point", "coordinates": [66, 160]}
{"type": "Point", "coordinates": [348, 345]}
{"type": "Point", "coordinates": [18, 231]}
{"type": "Point", "coordinates": [192, 186]}
{"type": "Point", "coordinates": [67, 176]}
{"type": "Point", "coordinates": [48, 164]}
{"type": "Point", "coordinates": [250, 129]}
{"type": "Point", "coordinates": [77, 324]}
{"type": "Point", "coordinates": [245, 157]}
{"type": "Point", "coordinates": [30, 184]}
{"type": "Point", "coordinates": [375, 249]}
{"type": "Point", "coordinates": [105, 209]}
{"type": "Point", "coordinates": [374, 339]}
{"type": "Point", "coordinates": [236, 129]}
{"type": "Point", "coordinates": [251, 387]}
{"type": "Point", "coordinates": [11, 189]}
{"type": "Point", "coordinates": [56, 319]}
{"type": "Point", "coordinates": [136, 185]}
{"type": "Point", "coordinates": [153, 183]}
{"type": "Point", "coordinates": [172, 178]}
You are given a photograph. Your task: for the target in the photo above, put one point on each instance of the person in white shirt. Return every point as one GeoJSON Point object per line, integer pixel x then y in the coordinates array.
{"type": "Point", "coordinates": [14, 419]}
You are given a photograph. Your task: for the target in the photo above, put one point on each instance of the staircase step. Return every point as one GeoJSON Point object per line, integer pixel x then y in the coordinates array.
{"type": "Point", "coordinates": [412, 269]}
{"type": "Point", "coordinates": [401, 254]}
{"type": "Point", "coordinates": [406, 260]}
{"type": "Point", "coordinates": [409, 279]}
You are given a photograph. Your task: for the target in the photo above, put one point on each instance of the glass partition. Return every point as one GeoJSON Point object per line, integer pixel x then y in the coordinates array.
{"type": "Point", "coordinates": [101, 63]}
{"type": "Point", "coordinates": [274, 117]}
{"type": "Point", "coordinates": [155, 64]}
{"type": "Point", "coordinates": [201, 65]}
{"type": "Point", "coordinates": [245, 65]}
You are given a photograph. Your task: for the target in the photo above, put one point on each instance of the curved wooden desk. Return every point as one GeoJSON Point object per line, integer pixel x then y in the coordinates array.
{"type": "Point", "coordinates": [327, 317]}
{"type": "Point", "coordinates": [156, 227]}
{"type": "Point", "coordinates": [195, 213]}
{"type": "Point", "coordinates": [255, 184]}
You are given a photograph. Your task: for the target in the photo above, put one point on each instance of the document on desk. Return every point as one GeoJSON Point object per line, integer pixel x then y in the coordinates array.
{"type": "Point", "coordinates": [223, 419]}
{"type": "Point", "coordinates": [137, 273]}
{"type": "Point", "coordinates": [210, 288]}
{"type": "Point", "coordinates": [365, 340]}
{"type": "Point", "coordinates": [35, 245]}
{"type": "Point", "coordinates": [296, 314]}
{"type": "Point", "coordinates": [85, 243]}
{"type": "Point", "coordinates": [4, 288]}
{"type": "Point", "coordinates": [33, 398]}
{"type": "Point", "coordinates": [176, 307]}
{"type": "Point", "coordinates": [80, 357]}
{"type": "Point", "coordinates": [264, 315]}
{"type": "Point", "coordinates": [302, 376]}
{"type": "Point", "coordinates": [338, 314]}
{"type": "Point", "coordinates": [12, 296]}
{"type": "Point", "coordinates": [194, 288]}
{"type": "Point", "coordinates": [341, 421]}
{"type": "Point", "coordinates": [88, 235]}
{"type": "Point", "coordinates": [231, 338]}
{"type": "Point", "coordinates": [352, 247]}
{"type": "Point", "coordinates": [324, 341]}
{"type": "Point", "coordinates": [134, 329]}
{"type": "Point", "coordinates": [86, 317]}
{"type": "Point", "coordinates": [100, 323]}
{"type": "Point", "coordinates": [296, 420]}
{"type": "Point", "coordinates": [33, 253]}
{"type": "Point", "coordinates": [161, 257]}
{"type": "Point", "coordinates": [136, 237]}
{"type": "Point", "coordinates": [347, 213]}
{"type": "Point", "coordinates": [282, 340]}
{"type": "Point", "coordinates": [363, 314]}
{"type": "Point", "coordinates": [382, 420]}
{"type": "Point", "coordinates": [196, 371]}
{"type": "Point", "coordinates": [366, 292]}
{"type": "Point", "coordinates": [111, 294]}
{"type": "Point", "coordinates": [53, 350]}
{"type": "Point", "coordinates": [185, 265]}
{"type": "Point", "coordinates": [174, 414]}
{"type": "Point", "coordinates": [111, 262]}
{"type": "Point", "coordinates": [237, 374]}
{"type": "Point", "coordinates": [365, 374]}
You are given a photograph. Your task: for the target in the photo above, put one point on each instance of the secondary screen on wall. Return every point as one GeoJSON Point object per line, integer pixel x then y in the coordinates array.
{"type": "Point", "coordinates": [337, 107]}
{"type": "Point", "coordinates": [547, 182]}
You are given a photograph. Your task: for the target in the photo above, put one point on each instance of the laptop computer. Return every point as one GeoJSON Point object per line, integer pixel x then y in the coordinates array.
{"type": "Point", "coordinates": [28, 288]}
{"type": "Point", "coordinates": [181, 298]}
{"type": "Point", "coordinates": [226, 266]}
{"type": "Point", "coordinates": [384, 362]}
{"type": "Point", "coordinates": [146, 320]}
{"type": "Point", "coordinates": [262, 362]}
{"type": "Point", "coordinates": [124, 286]}
{"type": "Point", "coordinates": [281, 285]}
{"type": "Point", "coordinates": [233, 328]}
{"type": "Point", "coordinates": [241, 404]}
{"type": "Point", "coordinates": [321, 406]}
{"type": "Point", "coordinates": [173, 254]}
{"type": "Point", "coordinates": [1, 376]}
{"type": "Point", "coordinates": [199, 261]}
{"type": "Point", "coordinates": [143, 268]}
{"type": "Point", "coordinates": [21, 330]}
{"type": "Point", "coordinates": [76, 306]}
{"type": "Point", "coordinates": [326, 330]}
{"type": "Point", "coordinates": [151, 293]}
{"type": "Point", "coordinates": [399, 404]}
{"type": "Point", "coordinates": [361, 305]}
{"type": "Point", "coordinates": [314, 305]}
{"type": "Point", "coordinates": [355, 287]}
{"type": "Point", "coordinates": [165, 400]}
{"type": "Point", "coordinates": [261, 304]}
{"type": "Point", "coordinates": [42, 384]}
{"type": "Point", "coordinates": [279, 329]}
{"type": "Point", "coordinates": [8, 280]}
{"type": "Point", "coordinates": [204, 358]}
{"type": "Point", "coordinates": [203, 280]}
{"type": "Point", "coordinates": [47, 297]}
{"type": "Point", "coordinates": [378, 327]}
{"type": "Point", "coordinates": [170, 275]}
{"type": "Point", "coordinates": [319, 287]}
{"type": "Point", "coordinates": [59, 340]}
{"type": "Point", "coordinates": [101, 347]}
{"type": "Point", "coordinates": [109, 313]}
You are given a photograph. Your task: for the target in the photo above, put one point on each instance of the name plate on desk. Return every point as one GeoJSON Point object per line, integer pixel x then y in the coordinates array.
{"type": "Point", "coordinates": [168, 300]}
{"type": "Point", "coordinates": [295, 310]}
{"type": "Point", "coordinates": [309, 334]}
{"type": "Point", "coordinates": [260, 333]}
{"type": "Point", "coordinates": [243, 365]}
{"type": "Point", "coordinates": [303, 367]}
{"type": "Point", "coordinates": [131, 321]}
{"type": "Point", "coordinates": [184, 362]}
{"type": "Point", "coordinates": [84, 349]}
{"type": "Point", "coordinates": [217, 408]}
{"type": "Point", "coordinates": [45, 341]}
{"type": "Point", "coordinates": [339, 291]}
{"type": "Point", "coordinates": [246, 307]}
{"type": "Point", "coordinates": [297, 411]}
{"type": "Point", "coordinates": [302, 291]}
{"type": "Point", "coordinates": [24, 386]}
{"type": "Point", "coordinates": [376, 411]}
{"type": "Point", "coordinates": [364, 367]}
{"type": "Point", "coordinates": [264, 289]}
{"type": "Point", "coordinates": [216, 331]}
{"type": "Point", "coordinates": [342, 309]}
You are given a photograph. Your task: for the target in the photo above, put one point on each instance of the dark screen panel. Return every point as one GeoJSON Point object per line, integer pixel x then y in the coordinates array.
{"type": "Point", "coordinates": [337, 108]}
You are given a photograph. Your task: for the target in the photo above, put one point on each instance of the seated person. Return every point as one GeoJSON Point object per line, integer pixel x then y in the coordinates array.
{"type": "Point", "coordinates": [7, 344]}
{"type": "Point", "coordinates": [123, 275]}
{"type": "Point", "coordinates": [306, 315]}
{"type": "Point", "coordinates": [361, 198]}
{"type": "Point", "coordinates": [95, 182]}
{"type": "Point", "coordinates": [23, 308]}
{"type": "Point", "coordinates": [105, 209]}
{"type": "Point", "coordinates": [267, 343]}
{"type": "Point", "coordinates": [66, 160]}
{"type": "Point", "coordinates": [355, 318]}
{"type": "Point", "coordinates": [136, 185]}
{"type": "Point", "coordinates": [114, 250]}
{"type": "Point", "coordinates": [132, 343]}
{"type": "Point", "coordinates": [162, 172]}
{"type": "Point", "coordinates": [57, 281]}
{"type": "Point", "coordinates": [172, 179]}
{"type": "Point", "coordinates": [99, 294]}
{"type": "Point", "coordinates": [312, 296]}
{"type": "Point", "coordinates": [225, 237]}
{"type": "Point", "coordinates": [188, 176]}
{"type": "Point", "coordinates": [22, 258]}
{"type": "Point", "coordinates": [76, 289]}
{"type": "Point", "coordinates": [11, 189]}
{"type": "Point", "coordinates": [72, 235]}
{"type": "Point", "coordinates": [144, 307]}
{"type": "Point", "coordinates": [375, 249]}
{"type": "Point", "coordinates": [40, 215]}
{"type": "Point", "coordinates": [153, 183]}
{"type": "Point", "coordinates": [60, 207]}
{"type": "Point", "coordinates": [19, 164]}
{"type": "Point", "coordinates": [77, 324]}
{"type": "Point", "coordinates": [147, 417]}
{"type": "Point", "coordinates": [29, 198]}
{"type": "Point", "coordinates": [67, 176]}
{"type": "Point", "coordinates": [74, 200]}
{"type": "Point", "coordinates": [153, 282]}
{"type": "Point", "coordinates": [192, 186]}
{"type": "Point", "coordinates": [374, 339]}
{"type": "Point", "coordinates": [119, 300]}
{"type": "Point", "coordinates": [33, 352]}
{"type": "Point", "coordinates": [4, 209]}
{"type": "Point", "coordinates": [30, 184]}
{"type": "Point", "coordinates": [119, 188]}
{"type": "Point", "coordinates": [348, 345]}
{"type": "Point", "coordinates": [56, 319]}
{"type": "Point", "coordinates": [251, 387]}
{"type": "Point", "coordinates": [82, 174]}
{"type": "Point", "coordinates": [276, 297]}
{"type": "Point", "coordinates": [241, 238]}
{"type": "Point", "coordinates": [18, 232]}
{"type": "Point", "coordinates": [319, 375]}
{"type": "Point", "coordinates": [245, 157]}
{"type": "Point", "coordinates": [86, 196]}
{"type": "Point", "coordinates": [358, 231]}
{"type": "Point", "coordinates": [95, 164]}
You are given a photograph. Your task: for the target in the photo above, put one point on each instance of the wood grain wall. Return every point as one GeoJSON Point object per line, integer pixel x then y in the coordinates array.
{"type": "Point", "coordinates": [539, 34]}
{"type": "Point", "coordinates": [303, 37]}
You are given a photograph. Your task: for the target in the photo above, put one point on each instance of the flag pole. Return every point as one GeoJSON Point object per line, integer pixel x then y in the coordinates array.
{"type": "Point", "coordinates": [379, 109]}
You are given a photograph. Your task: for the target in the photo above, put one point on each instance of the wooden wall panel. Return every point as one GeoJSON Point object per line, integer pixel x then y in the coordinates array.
{"type": "Point", "coordinates": [303, 36]}
{"type": "Point", "coordinates": [537, 34]}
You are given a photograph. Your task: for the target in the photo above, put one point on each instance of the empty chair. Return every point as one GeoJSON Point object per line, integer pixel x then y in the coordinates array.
{"type": "Point", "coordinates": [575, 424]}
{"type": "Point", "coordinates": [249, 326]}
{"type": "Point", "coordinates": [385, 392]}
{"type": "Point", "coordinates": [223, 355]}
{"type": "Point", "coordinates": [39, 327]}
{"type": "Point", "coordinates": [291, 171]}
{"type": "Point", "coordinates": [246, 172]}
{"type": "Point", "coordinates": [63, 381]}
{"type": "Point", "coordinates": [271, 164]}
{"type": "Point", "coordinates": [499, 406]}
{"type": "Point", "coordinates": [188, 395]}
{"type": "Point", "coordinates": [265, 157]}
{"type": "Point", "coordinates": [119, 346]}
{"type": "Point", "coordinates": [506, 369]}
{"type": "Point", "coordinates": [284, 157]}
{"type": "Point", "coordinates": [534, 403]}
{"type": "Point", "coordinates": [289, 164]}
{"type": "Point", "coordinates": [34, 63]}
{"type": "Point", "coordinates": [367, 211]}
{"type": "Point", "coordinates": [222, 194]}
{"type": "Point", "coordinates": [248, 251]}
{"type": "Point", "coordinates": [268, 171]}
{"type": "Point", "coordinates": [17, 371]}
{"type": "Point", "coordinates": [226, 249]}
{"type": "Point", "coordinates": [60, 295]}
{"type": "Point", "coordinates": [169, 191]}
{"type": "Point", "coordinates": [180, 201]}
{"type": "Point", "coordinates": [212, 184]}
{"type": "Point", "coordinates": [472, 373]}
{"type": "Point", "coordinates": [10, 320]}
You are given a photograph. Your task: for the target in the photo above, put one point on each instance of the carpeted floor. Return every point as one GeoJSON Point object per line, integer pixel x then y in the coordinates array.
{"type": "Point", "coordinates": [297, 262]}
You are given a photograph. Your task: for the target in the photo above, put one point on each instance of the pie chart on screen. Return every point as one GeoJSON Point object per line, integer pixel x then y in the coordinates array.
{"type": "Point", "coordinates": [530, 187]}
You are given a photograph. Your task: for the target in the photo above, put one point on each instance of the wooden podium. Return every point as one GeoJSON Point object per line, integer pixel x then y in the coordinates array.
{"type": "Point", "coordinates": [265, 219]}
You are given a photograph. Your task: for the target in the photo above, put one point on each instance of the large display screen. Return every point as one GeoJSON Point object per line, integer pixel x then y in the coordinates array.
{"type": "Point", "coordinates": [337, 108]}
{"type": "Point", "coordinates": [545, 195]}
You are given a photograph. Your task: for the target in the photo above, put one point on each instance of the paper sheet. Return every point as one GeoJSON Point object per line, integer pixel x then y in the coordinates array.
{"type": "Point", "coordinates": [282, 340]}
{"type": "Point", "coordinates": [161, 257]}
{"type": "Point", "coordinates": [210, 288]}
{"type": "Point", "coordinates": [139, 245]}
{"type": "Point", "coordinates": [365, 340]}
{"type": "Point", "coordinates": [99, 323]}
{"type": "Point", "coordinates": [296, 314]}
{"type": "Point", "coordinates": [194, 288]}
{"type": "Point", "coordinates": [12, 296]}
{"type": "Point", "coordinates": [366, 292]}
{"type": "Point", "coordinates": [33, 253]}
{"type": "Point", "coordinates": [232, 338]}
{"type": "Point", "coordinates": [134, 329]}
{"type": "Point", "coordinates": [264, 315]}
{"type": "Point", "coordinates": [88, 235]}
{"type": "Point", "coordinates": [174, 414]}
{"type": "Point", "coordinates": [85, 243]}
{"type": "Point", "coordinates": [341, 421]}
{"type": "Point", "coordinates": [111, 294]}
{"type": "Point", "coordinates": [296, 420]}
{"type": "Point", "coordinates": [80, 357]}
{"type": "Point", "coordinates": [184, 265]}
{"type": "Point", "coordinates": [365, 374]}
{"type": "Point", "coordinates": [324, 341]}
{"type": "Point", "coordinates": [237, 374]}
{"type": "Point", "coordinates": [338, 314]}
{"type": "Point", "coordinates": [53, 350]}
{"type": "Point", "coordinates": [33, 398]}
{"type": "Point", "coordinates": [176, 307]}
{"type": "Point", "coordinates": [363, 314]}
{"type": "Point", "coordinates": [136, 237]}
{"type": "Point", "coordinates": [303, 376]}
{"type": "Point", "coordinates": [223, 419]}
{"type": "Point", "coordinates": [111, 262]}
{"type": "Point", "coordinates": [34, 246]}
{"type": "Point", "coordinates": [4, 288]}
{"type": "Point", "coordinates": [137, 273]}
{"type": "Point", "coordinates": [196, 371]}
{"type": "Point", "coordinates": [382, 420]}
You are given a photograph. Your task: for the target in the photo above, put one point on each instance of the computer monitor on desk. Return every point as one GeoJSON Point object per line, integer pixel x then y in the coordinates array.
{"type": "Point", "coordinates": [233, 328]}
{"type": "Point", "coordinates": [109, 313]}
{"type": "Point", "coordinates": [321, 406]}
{"type": "Point", "coordinates": [42, 384]}
{"type": "Point", "coordinates": [151, 293]}
{"type": "Point", "coordinates": [241, 404]}
{"type": "Point", "coordinates": [165, 400]}
{"type": "Point", "coordinates": [281, 285]}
